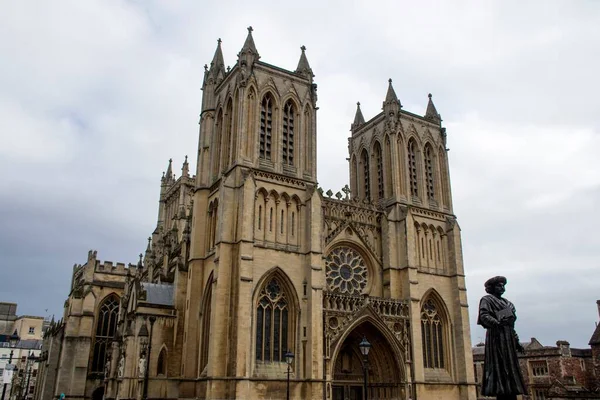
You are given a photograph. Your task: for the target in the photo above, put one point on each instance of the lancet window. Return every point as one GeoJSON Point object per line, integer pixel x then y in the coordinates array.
{"type": "Point", "coordinates": [429, 172]}
{"type": "Point", "coordinates": [432, 335]}
{"type": "Point", "coordinates": [366, 176]}
{"type": "Point", "coordinates": [273, 322]}
{"type": "Point", "coordinates": [105, 330]}
{"type": "Point", "coordinates": [266, 127]}
{"type": "Point", "coordinates": [379, 162]}
{"type": "Point", "coordinates": [161, 365]}
{"type": "Point", "coordinates": [288, 133]}
{"type": "Point", "coordinates": [412, 168]}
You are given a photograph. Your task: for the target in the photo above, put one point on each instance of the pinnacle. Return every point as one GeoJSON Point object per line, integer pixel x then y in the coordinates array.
{"type": "Point", "coordinates": [358, 117]}
{"type": "Point", "coordinates": [391, 94]}
{"type": "Point", "coordinates": [218, 62]}
{"type": "Point", "coordinates": [303, 65]}
{"type": "Point", "coordinates": [249, 45]}
{"type": "Point", "coordinates": [431, 112]}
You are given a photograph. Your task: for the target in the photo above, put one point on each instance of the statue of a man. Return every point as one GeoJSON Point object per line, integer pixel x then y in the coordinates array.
{"type": "Point", "coordinates": [501, 373]}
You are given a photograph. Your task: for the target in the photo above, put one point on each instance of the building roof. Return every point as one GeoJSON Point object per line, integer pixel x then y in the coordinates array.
{"type": "Point", "coordinates": [158, 293]}
{"type": "Point", "coordinates": [29, 344]}
{"type": "Point", "coordinates": [595, 339]}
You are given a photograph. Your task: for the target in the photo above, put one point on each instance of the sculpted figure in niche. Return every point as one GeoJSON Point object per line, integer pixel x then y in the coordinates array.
{"type": "Point", "coordinates": [142, 365]}
{"type": "Point", "coordinates": [121, 366]}
{"type": "Point", "coordinates": [107, 368]}
{"type": "Point", "coordinates": [501, 373]}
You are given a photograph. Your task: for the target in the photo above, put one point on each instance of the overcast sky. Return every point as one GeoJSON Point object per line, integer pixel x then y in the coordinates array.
{"type": "Point", "coordinates": [96, 96]}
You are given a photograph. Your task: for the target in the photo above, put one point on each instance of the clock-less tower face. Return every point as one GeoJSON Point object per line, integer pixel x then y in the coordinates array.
{"type": "Point", "coordinates": [346, 271]}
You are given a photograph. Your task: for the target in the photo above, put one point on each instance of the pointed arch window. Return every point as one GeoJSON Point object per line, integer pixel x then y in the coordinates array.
{"type": "Point", "coordinates": [217, 144]}
{"type": "Point", "coordinates": [429, 172]}
{"type": "Point", "coordinates": [106, 326]}
{"type": "Point", "coordinates": [412, 168]}
{"type": "Point", "coordinates": [227, 127]}
{"type": "Point", "coordinates": [379, 161]}
{"type": "Point", "coordinates": [266, 127]}
{"type": "Point", "coordinates": [367, 180]}
{"type": "Point", "coordinates": [288, 133]}
{"type": "Point", "coordinates": [161, 365]}
{"type": "Point", "coordinates": [273, 322]}
{"type": "Point", "coordinates": [432, 335]}
{"type": "Point", "coordinates": [205, 317]}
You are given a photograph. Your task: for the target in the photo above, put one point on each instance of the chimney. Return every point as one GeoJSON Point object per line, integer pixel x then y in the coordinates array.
{"type": "Point", "coordinates": [598, 304]}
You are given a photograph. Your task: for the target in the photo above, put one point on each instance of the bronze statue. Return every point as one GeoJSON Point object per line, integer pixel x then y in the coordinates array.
{"type": "Point", "coordinates": [501, 373]}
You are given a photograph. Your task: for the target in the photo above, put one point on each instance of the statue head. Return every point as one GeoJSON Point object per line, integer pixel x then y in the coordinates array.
{"type": "Point", "coordinates": [495, 285]}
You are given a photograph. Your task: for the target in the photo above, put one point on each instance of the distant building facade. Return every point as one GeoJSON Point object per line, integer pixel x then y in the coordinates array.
{"type": "Point", "coordinates": [25, 352]}
{"type": "Point", "coordinates": [250, 260]}
{"type": "Point", "coordinates": [554, 372]}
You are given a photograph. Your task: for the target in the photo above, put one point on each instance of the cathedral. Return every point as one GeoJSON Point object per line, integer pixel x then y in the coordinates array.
{"type": "Point", "coordinates": [256, 282]}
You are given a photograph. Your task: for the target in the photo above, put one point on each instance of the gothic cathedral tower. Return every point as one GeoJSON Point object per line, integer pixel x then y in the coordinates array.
{"type": "Point", "coordinates": [255, 271]}
{"type": "Point", "coordinates": [277, 267]}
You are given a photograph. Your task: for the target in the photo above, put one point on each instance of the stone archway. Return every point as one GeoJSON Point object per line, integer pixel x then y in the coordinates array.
{"type": "Point", "coordinates": [98, 393]}
{"type": "Point", "coordinates": [385, 376]}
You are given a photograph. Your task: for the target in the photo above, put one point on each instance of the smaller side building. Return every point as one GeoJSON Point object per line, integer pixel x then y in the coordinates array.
{"type": "Point", "coordinates": [23, 356]}
{"type": "Point", "coordinates": [554, 372]}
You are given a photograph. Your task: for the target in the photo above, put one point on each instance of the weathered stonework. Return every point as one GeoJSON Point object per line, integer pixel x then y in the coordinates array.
{"type": "Point", "coordinates": [250, 260]}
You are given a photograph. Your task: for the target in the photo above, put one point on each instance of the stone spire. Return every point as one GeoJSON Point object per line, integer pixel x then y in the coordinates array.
{"type": "Point", "coordinates": [358, 118]}
{"type": "Point", "coordinates": [431, 113]}
{"type": "Point", "coordinates": [303, 67]}
{"type": "Point", "coordinates": [391, 105]}
{"type": "Point", "coordinates": [217, 65]}
{"type": "Point", "coordinates": [185, 169]}
{"type": "Point", "coordinates": [169, 173]}
{"type": "Point", "coordinates": [248, 54]}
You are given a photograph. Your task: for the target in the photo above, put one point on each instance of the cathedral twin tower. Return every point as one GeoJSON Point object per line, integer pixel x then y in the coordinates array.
{"type": "Point", "coordinates": [250, 260]}
{"type": "Point", "coordinates": [291, 270]}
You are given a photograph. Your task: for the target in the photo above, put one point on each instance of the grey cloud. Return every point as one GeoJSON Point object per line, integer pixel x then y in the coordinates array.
{"type": "Point", "coordinates": [98, 95]}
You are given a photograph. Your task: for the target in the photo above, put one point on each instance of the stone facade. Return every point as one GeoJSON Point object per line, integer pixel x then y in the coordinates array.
{"type": "Point", "coordinates": [250, 260]}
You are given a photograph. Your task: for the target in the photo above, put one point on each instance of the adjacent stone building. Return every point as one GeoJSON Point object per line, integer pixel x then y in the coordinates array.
{"type": "Point", "coordinates": [554, 372]}
{"type": "Point", "coordinates": [250, 260]}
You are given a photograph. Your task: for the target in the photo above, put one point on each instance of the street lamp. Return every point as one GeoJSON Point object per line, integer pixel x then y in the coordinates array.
{"type": "Point", "coordinates": [33, 359]}
{"type": "Point", "coordinates": [289, 359]}
{"type": "Point", "coordinates": [152, 320]}
{"type": "Point", "coordinates": [13, 341]}
{"type": "Point", "coordinates": [365, 346]}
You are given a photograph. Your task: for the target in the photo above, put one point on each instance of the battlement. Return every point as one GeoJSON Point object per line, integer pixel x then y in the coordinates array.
{"type": "Point", "coordinates": [85, 272]}
{"type": "Point", "coordinates": [108, 266]}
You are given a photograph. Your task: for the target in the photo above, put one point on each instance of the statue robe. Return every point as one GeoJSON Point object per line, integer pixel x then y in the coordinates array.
{"type": "Point", "coordinates": [501, 372]}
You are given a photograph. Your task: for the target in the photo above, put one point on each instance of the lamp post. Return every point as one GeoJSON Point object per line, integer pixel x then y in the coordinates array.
{"type": "Point", "coordinates": [152, 320]}
{"type": "Point", "coordinates": [14, 339]}
{"type": "Point", "coordinates": [365, 346]}
{"type": "Point", "coordinates": [289, 359]}
{"type": "Point", "coordinates": [33, 359]}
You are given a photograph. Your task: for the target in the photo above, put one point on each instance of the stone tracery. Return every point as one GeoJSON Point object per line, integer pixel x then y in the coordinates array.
{"type": "Point", "coordinates": [346, 271]}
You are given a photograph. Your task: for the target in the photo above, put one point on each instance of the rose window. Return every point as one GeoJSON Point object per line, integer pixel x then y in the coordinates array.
{"type": "Point", "coordinates": [346, 271]}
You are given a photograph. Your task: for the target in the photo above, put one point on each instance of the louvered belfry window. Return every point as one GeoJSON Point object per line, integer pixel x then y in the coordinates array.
{"type": "Point", "coordinates": [288, 133]}
{"type": "Point", "coordinates": [380, 190]}
{"type": "Point", "coordinates": [432, 335]}
{"type": "Point", "coordinates": [266, 127]}
{"type": "Point", "coordinates": [272, 323]}
{"type": "Point", "coordinates": [412, 168]}
{"type": "Point", "coordinates": [429, 172]}
{"type": "Point", "coordinates": [105, 331]}
{"type": "Point", "coordinates": [366, 172]}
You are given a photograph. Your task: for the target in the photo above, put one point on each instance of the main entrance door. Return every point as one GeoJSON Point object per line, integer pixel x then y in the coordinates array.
{"type": "Point", "coordinates": [384, 378]}
{"type": "Point", "coordinates": [347, 392]}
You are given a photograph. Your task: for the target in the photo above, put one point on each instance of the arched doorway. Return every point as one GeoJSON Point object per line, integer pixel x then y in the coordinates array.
{"type": "Point", "coordinates": [98, 394]}
{"type": "Point", "coordinates": [385, 375]}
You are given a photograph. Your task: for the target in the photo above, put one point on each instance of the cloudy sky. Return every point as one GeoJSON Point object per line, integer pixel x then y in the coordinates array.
{"type": "Point", "coordinates": [96, 96]}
